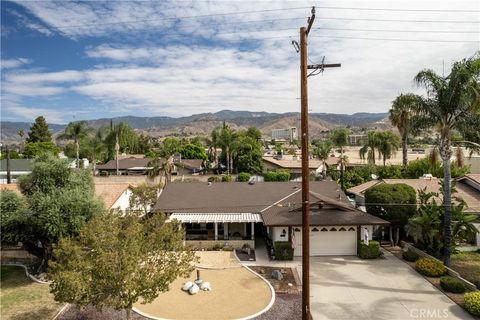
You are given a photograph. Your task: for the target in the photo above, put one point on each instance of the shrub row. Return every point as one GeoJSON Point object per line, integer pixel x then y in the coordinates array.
{"type": "Point", "coordinates": [430, 267]}
{"type": "Point", "coordinates": [410, 255]}
{"type": "Point", "coordinates": [371, 251]}
{"type": "Point", "coordinates": [472, 302]}
{"type": "Point", "coordinates": [452, 284]}
{"type": "Point", "coordinates": [243, 177]}
{"type": "Point", "coordinates": [277, 176]}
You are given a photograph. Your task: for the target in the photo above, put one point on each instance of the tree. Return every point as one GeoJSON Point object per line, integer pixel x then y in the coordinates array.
{"type": "Point", "coordinates": [39, 131]}
{"type": "Point", "coordinates": [76, 131]}
{"type": "Point", "coordinates": [226, 139]}
{"type": "Point", "coordinates": [322, 151]}
{"type": "Point", "coordinates": [38, 149]}
{"type": "Point", "coordinates": [449, 101]}
{"type": "Point", "coordinates": [247, 151]}
{"type": "Point", "coordinates": [402, 115]}
{"type": "Point", "coordinates": [339, 138]}
{"type": "Point", "coordinates": [97, 147]}
{"type": "Point", "coordinates": [368, 149]}
{"type": "Point", "coordinates": [144, 197]}
{"type": "Point", "coordinates": [60, 200]}
{"type": "Point", "coordinates": [392, 202]}
{"type": "Point", "coordinates": [12, 214]}
{"type": "Point", "coordinates": [116, 261]}
{"type": "Point", "coordinates": [169, 147]}
{"type": "Point", "coordinates": [193, 151]}
{"type": "Point", "coordinates": [388, 144]}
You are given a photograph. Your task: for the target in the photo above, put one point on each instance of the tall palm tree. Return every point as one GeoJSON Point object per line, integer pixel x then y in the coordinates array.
{"type": "Point", "coordinates": [388, 144]}
{"type": "Point", "coordinates": [76, 131]}
{"type": "Point", "coordinates": [339, 138]}
{"type": "Point", "coordinates": [449, 101]}
{"type": "Point", "coordinates": [226, 140]}
{"type": "Point", "coordinates": [322, 152]}
{"type": "Point", "coordinates": [98, 146]}
{"type": "Point", "coordinates": [402, 115]}
{"type": "Point", "coordinates": [369, 147]}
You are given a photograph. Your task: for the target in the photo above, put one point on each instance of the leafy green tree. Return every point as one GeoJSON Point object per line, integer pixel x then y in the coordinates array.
{"type": "Point", "coordinates": [60, 200]}
{"type": "Point", "coordinates": [39, 131]}
{"type": "Point", "coordinates": [339, 138]}
{"type": "Point", "coordinates": [193, 151]}
{"type": "Point", "coordinates": [403, 116]}
{"type": "Point", "coordinates": [226, 138]}
{"type": "Point", "coordinates": [368, 149]}
{"type": "Point", "coordinates": [388, 144]}
{"type": "Point", "coordinates": [12, 214]}
{"type": "Point", "coordinates": [76, 131]}
{"type": "Point", "coordinates": [247, 152]}
{"type": "Point", "coordinates": [169, 147]}
{"type": "Point", "coordinates": [322, 151]}
{"type": "Point", "coordinates": [243, 177]}
{"type": "Point", "coordinates": [37, 149]}
{"type": "Point", "coordinates": [449, 101]}
{"type": "Point", "coordinates": [117, 261]}
{"type": "Point", "coordinates": [392, 202]}
{"type": "Point", "coordinates": [144, 197]}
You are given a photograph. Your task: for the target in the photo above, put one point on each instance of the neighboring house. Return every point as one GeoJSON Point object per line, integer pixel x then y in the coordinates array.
{"type": "Point", "coordinates": [234, 213]}
{"type": "Point", "coordinates": [18, 167]}
{"type": "Point", "coordinates": [468, 188]}
{"type": "Point", "coordinates": [184, 167]}
{"type": "Point", "coordinates": [127, 166]}
{"type": "Point", "coordinates": [114, 195]}
{"type": "Point", "coordinates": [294, 164]}
{"type": "Point", "coordinates": [288, 134]}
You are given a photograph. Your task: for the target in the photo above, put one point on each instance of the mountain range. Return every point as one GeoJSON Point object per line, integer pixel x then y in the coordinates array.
{"type": "Point", "coordinates": [204, 123]}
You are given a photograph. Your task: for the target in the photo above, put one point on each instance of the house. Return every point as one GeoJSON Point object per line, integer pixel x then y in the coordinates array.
{"type": "Point", "coordinates": [235, 213]}
{"type": "Point", "coordinates": [468, 188]}
{"type": "Point", "coordinates": [126, 166]}
{"type": "Point", "coordinates": [293, 164]}
{"type": "Point", "coordinates": [184, 167]}
{"type": "Point", "coordinates": [18, 167]}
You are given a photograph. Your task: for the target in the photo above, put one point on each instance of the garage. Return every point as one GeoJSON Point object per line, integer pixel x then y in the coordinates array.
{"type": "Point", "coordinates": [327, 240]}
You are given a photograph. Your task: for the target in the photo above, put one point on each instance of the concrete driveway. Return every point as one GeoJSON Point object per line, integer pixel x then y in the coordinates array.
{"type": "Point", "coordinates": [350, 288]}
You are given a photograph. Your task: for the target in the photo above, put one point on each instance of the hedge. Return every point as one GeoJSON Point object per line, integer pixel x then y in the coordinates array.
{"type": "Point", "coordinates": [214, 179]}
{"type": "Point", "coordinates": [430, 267]}
{"type": "Point", "coordinates": [452, 284]}
{"type": "Point", "coordinates": [371, 251]}
{"type": "Point", "coordinates": [226, 178]}
{"type": "Point", "coordinates": [243, 177]}
{"type": "Point", "coordinates": [283, 250]}
{"type": "Point", "coordinates": [410, 255]}
{"type": "Point", "coordinates": [277, 176]}
{"type": "Point", "coordinates": [472, 302]}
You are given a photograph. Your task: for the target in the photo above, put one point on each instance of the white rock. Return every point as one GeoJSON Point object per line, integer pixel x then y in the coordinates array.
{"type": "Point", "coordinates": [205, 285]}
{"type": "Point", "coordinates": [187, 286]}
{"type": "Point", "coordinates": [194, 289]}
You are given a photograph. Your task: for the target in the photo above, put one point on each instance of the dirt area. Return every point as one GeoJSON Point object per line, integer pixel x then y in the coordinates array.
{"type": "Point", "coordinates": [217, 259]}
{"type": "Point", "coordinates": [286, 307]}
{"type": "Point", "coordinates": [236, 293]}
{"type": "Point", "coordinates": [91, 313]}
{"type": "Point", "coordinates": [280, 286]}
{"type": "Point", "coordinates": [243, 256]}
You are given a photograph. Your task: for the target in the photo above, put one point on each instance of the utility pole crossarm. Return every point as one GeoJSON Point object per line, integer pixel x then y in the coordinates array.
{"type": "Point", "coordinates": [324, 65]}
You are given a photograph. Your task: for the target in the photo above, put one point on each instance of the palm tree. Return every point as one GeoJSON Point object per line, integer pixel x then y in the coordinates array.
{"type": "Point", "coordinates": [369, 147]}
{"type": "Point", "coordinates": [226, 139]}
{"type": "Point", "coordinates": [339, 138]}
{"type": "Point", "coordinates": [76, 131]}
{"type": "Point", "coordinates": [322, 152]}
{"type": "Point", "coordinates": [449, 101]}
{"type": "Point", "coordinates": [388, 144]}
{"type": "Point", "coordinates": [98, 146]}
{"type": "Point", "coordinates": [402, 115]}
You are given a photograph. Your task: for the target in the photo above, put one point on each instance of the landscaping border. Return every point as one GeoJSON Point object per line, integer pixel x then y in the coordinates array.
{"type": "Point", "coordinates": [450, 271]}
{"type": "Point", "coordinates": [29, 275]}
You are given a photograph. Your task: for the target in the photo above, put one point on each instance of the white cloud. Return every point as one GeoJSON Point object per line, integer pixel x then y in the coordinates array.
{"type": "Point", "coordinates": [29, 113]}
{"type": "Point", "coordinates": [14, 63]}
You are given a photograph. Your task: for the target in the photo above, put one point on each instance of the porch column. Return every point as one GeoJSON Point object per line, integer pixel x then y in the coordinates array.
{"type": "Point", "coordinates": [216, 231]}
{"type": "Point", "coordinates": [253, 231]}
{"type": "Point", "coordinates": [225, 231]}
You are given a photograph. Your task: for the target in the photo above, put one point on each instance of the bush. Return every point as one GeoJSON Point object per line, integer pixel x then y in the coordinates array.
{"type": "Point", "coordinates": [410, 255]}
{"type": "Point", "coordinates": [226, 178]}
{"type": "Point", "coordinates": [452, 284]}
{"type": "Point", "coordinates": [283, 250]}
{"type": "Point", "coordinates": [472, 302]}
{"type": "Point", "coordinates": [430, 267]}
{"type": "Point", "coordinates": [371, 251]}
{"type": "Point", "coordinates": [214, 179]}
{"type": "Point", "coordinates": [277, 176]}
{"type": "Point", "coordinates": [243, 177]}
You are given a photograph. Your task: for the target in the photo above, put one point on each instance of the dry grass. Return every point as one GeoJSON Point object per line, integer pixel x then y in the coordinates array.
{"type": "Point", "coordinates": [468, 265]}
{"type": "Point", "coordinates": [23, 299]}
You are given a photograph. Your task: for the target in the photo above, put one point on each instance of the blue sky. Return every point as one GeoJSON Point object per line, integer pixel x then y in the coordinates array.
{"type": "Point", "coordinates": [71, 60]}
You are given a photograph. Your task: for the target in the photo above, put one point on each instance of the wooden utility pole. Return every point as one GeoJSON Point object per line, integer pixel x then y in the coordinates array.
{"type": "Point", "coordinates": [306, 314]}
{"type": "Point", "coordinates": [9, 170]}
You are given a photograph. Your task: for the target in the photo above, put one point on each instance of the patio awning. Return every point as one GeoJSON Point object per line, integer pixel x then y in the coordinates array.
{"type": "Point", "coordinates": [216, 217]}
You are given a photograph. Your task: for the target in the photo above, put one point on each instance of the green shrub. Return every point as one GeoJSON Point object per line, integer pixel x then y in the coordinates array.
{"type": "Point", "coordinates": [430, 267]}
{"type": "Point", "coordinates": [472, 302]}
{"type": "Point", "coordinates": [371, 251]}
{"type": "Point", "coordinates": [410, 255]}
{"type": "Point", "coordinates": [277, 176]}
{"type": "Point", "coordinates": [217, 247]}
{"type": "Point", "coordinates": [452, 284]}
{"type": "Point", "coordinates": [214, 179]}
{"type": "Point", "coordinates": [104, 173]}
{"type": "Point", "coordinates": [226, 178]}
{"type": "Point", "coordinates": [283, 250]}
{"type": "Point", "coordinates": [243, 177]}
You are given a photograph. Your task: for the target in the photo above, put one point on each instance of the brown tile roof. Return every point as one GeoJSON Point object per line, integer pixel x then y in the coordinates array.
{"type": "Point", "coordinates": [293, 164]}
{"type": "Point", "coordinates": [191, 163]}
{"type": "Point", "coordinates": [12, 187]}
{"type": "Point", "coordinates": [126, 163]}
{"type": "Point", "coordinates": [361, 188]}
{"type": "Point", "coordinates": [110, 192]}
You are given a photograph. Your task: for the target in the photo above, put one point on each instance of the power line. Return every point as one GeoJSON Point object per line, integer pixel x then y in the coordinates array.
{"type": "Point", "coordinates": [401, 40]}
{"type": "Point", "coordinates": [403, 31]}
{"type": "Point", "coordinates": [398, 20]}
{"type": "Point", "coordinates": [400, 10]}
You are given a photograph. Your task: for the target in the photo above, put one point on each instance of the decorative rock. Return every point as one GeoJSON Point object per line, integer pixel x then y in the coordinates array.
{"type": "Point", "coordinates": [187, 286]}
{"type": "Point", "coordinates": [205, 286]}
{"type": "Point", "coordinates": [198, 282]}
{"type": "Point", "coordinates": [194, 289]}
{"type": "Point", "coordinates": [276, 274]}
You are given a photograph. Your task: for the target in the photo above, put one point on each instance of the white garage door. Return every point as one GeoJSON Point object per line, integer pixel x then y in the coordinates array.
{"type": "Point", "coordinates": [329, 241]}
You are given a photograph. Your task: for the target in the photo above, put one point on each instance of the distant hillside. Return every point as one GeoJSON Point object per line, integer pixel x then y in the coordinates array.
{"type": "Point", "coordinates": [204, 123]}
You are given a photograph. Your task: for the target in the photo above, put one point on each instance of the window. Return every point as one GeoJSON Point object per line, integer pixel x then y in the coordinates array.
{"type": "Point", "coordinates": [324, 229]}
{"type": "Point", "coordinates": [333, 229]}
{"type": "Point", "coordinates": [351, 229]}
{"type": "Point", "coordinates": [297, 230]}
{"type": "Point", "coordinates": [342, 229]}
{"type": "Point", "coordinates": [314, 230]}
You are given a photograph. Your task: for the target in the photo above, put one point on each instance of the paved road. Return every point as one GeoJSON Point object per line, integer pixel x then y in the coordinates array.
{"type": "Point", "coordinates": [350, 288]}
